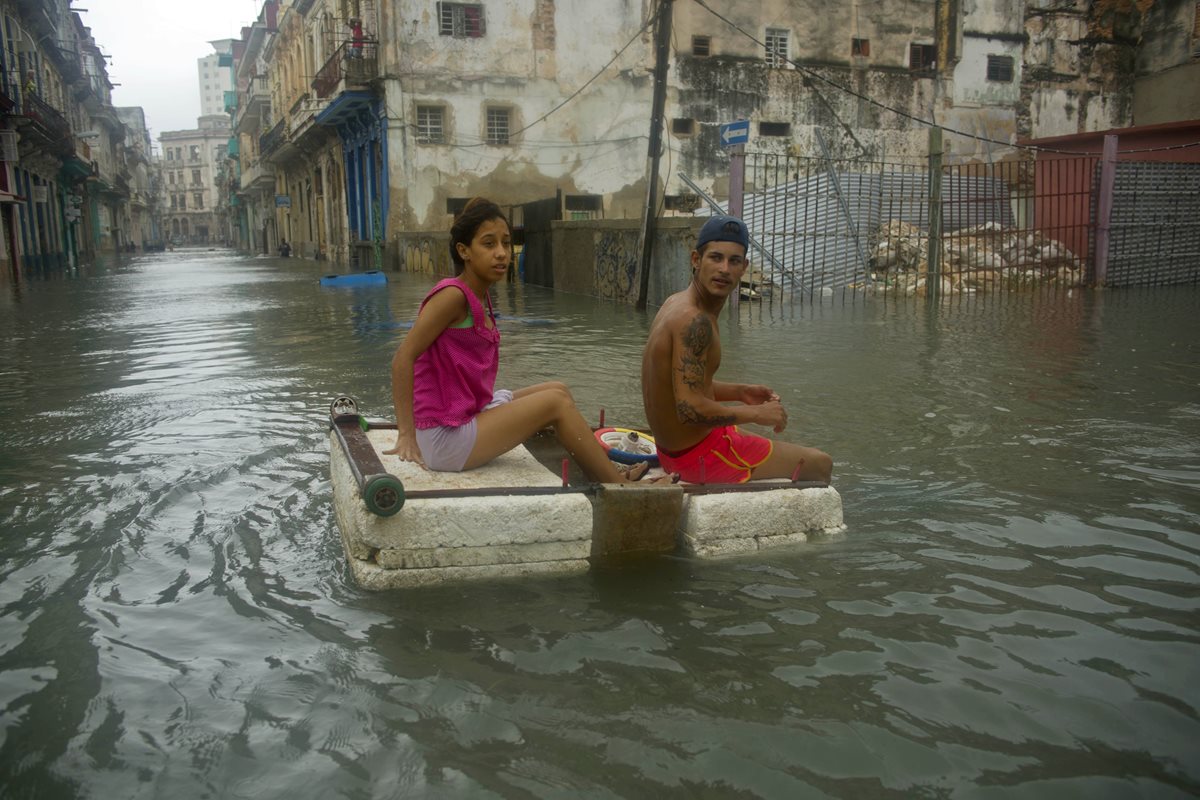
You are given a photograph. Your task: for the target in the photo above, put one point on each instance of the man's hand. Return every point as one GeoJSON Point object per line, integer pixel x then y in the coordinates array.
{"type": "Point", "coordinates": [756, 394]}
{"type": "Point", "coordinates": [772, 414]}
{"type": "Point", "coordinates": [406, 448]}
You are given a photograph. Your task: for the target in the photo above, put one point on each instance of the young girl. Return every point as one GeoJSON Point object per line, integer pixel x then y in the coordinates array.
{"type": "Point", "coordinates": [449, 416]}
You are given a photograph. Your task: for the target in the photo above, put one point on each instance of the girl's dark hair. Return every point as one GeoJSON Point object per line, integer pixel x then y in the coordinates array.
{"type": "Point", "coordinates": [477, 211]}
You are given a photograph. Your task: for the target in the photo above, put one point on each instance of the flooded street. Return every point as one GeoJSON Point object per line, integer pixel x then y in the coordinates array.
{"type": "Point", "coordinates": [1014, 609]}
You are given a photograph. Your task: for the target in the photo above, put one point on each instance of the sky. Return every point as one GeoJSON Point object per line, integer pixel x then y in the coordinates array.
{"type": "Point", "coordinates": [154, 47]}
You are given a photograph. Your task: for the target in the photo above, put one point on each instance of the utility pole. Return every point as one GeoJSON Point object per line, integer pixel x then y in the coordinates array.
{"type": "Point", "coordinates": [662, 43]}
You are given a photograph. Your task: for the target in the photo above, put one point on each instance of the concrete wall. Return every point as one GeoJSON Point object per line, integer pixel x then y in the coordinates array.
{"type": "Point", "coordinates": [533, 56]}
{"type": "Point", "coordinates": [1166, 89]}
{"type": "Point", "coordinates": [420, 251]}
{"type": "Point", "coordinates": [1158, 98]}
{"type": "Point", "coordinates": [600, 258]}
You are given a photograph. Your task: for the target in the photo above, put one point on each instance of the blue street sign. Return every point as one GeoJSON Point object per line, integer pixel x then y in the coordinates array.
{"type": "Point", "coordinates": [735, 133]}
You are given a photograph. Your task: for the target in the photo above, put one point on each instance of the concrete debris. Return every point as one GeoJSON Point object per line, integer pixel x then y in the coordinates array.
{"type": "Point", "coordinates": [983, 257]}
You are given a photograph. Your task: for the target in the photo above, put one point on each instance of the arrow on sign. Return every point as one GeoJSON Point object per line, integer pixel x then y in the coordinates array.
{"type": "Point", "coordinates": [735, 132]}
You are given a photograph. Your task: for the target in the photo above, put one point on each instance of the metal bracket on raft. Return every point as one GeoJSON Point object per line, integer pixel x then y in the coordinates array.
{"type": "Point", "coordinates": [382, 492]}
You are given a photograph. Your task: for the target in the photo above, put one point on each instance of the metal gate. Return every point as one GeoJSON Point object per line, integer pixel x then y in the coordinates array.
{"type": "Point", "coordinates": [538, 253]}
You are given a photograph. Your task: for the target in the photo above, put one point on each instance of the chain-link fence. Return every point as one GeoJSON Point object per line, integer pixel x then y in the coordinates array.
{"type": "Point", "coordinates": [851, 229]}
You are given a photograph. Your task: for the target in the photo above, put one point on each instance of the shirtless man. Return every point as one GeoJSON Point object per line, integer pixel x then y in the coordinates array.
{"type": "Point", "coordinates": [695, 432]}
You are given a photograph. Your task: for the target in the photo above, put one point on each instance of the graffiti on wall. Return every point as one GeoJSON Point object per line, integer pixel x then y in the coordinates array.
{"type": "Point", "coordinates": [420, 254]}
{"type": "Point", "coordinates": [617, 265]}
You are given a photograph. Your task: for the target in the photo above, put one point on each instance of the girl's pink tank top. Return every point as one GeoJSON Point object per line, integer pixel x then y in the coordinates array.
{"type": "Point", "coordinates": [454, 379]}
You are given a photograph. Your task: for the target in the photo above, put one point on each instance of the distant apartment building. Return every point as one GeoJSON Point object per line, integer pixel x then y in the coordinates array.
{"type": "Point", "coordinates": [191, 162]}
{"type": "Point", "coordinates": [214, 78]}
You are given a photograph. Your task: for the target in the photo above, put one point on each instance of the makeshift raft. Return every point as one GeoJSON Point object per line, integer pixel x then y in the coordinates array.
{"type": "Point", "coordinates": [402, 525]}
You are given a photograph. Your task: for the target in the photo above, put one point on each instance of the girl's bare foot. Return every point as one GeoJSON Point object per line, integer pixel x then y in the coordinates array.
{"type": "Point", "coordinates": [635, 472]}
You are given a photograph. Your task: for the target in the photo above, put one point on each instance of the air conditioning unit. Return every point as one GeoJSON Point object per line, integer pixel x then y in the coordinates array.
{"type": "Point", "coordinates": [8, 146]}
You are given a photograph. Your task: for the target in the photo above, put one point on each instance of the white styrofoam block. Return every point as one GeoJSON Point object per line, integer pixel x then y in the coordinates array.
{"type": "Point", "coordinates": [463, 521]}
{"type": "Point", "coordinates": [425, 558]}
{"type": "Point", "coordinates": [739, 522]}
{"type": "Point", "coordinates": [370, 575]}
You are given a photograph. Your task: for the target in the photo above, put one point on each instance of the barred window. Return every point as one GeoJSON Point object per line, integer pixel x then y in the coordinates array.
{"type": "Point", "coordinates": [701, 45]}
{"type": "Point", "coordinates": [431, 125]}
{"type": "Point", "coordinates": [584, 206]}
{"type": "Point", "coordinates": [777, 47]}
{"type": "Point", "coordinates": [498, 125]}
{"type": "Point", "coordinates": [461, 20]}
{"type": "Point", "coordinates": [1000, 68]}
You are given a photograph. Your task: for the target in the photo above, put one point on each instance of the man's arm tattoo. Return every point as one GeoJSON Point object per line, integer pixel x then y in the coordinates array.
{"type": "Point", "coordinates": [688, 413]}
{"type": "Point", "coordinates": [697, 338]}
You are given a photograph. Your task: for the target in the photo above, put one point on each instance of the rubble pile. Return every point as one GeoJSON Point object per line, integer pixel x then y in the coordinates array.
{"type": "Point", "coordinates": [979, 258]}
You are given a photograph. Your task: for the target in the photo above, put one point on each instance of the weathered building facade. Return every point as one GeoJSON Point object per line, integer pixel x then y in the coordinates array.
{"type": "Point", "coordinates": [258, 232]}
{"type": "Point", "coordinates": [384, 118]}
{"type": "Point", "coordinates": [64, 161]}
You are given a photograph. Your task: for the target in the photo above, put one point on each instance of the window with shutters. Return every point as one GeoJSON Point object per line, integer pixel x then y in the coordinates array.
{"type": "Point", "coordinates": [461, 20]}
{"type": "Point", "coordinates": [860, 47]}
{"type": "Point", "coordinates": [922, 57]}
{"type": "Point", "coordinates": [1000, 68]}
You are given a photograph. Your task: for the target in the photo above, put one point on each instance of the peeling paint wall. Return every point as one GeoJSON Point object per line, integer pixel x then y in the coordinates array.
{"type": "Point", "coordinates": [532, 56]}
{"type": "Point", "coordinates": [1079, 66]}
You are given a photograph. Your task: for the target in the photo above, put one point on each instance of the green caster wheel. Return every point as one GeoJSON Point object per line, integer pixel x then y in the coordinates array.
{"type": "Point", "coordinates": [383, 494]}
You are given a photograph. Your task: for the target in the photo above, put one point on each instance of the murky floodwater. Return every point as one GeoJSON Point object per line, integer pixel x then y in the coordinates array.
{"type": "Point", "coordinates": [1014, 610]}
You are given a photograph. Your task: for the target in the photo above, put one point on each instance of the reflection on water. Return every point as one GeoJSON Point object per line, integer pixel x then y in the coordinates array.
{"type": "Point", "coordinates": [1013, 609]}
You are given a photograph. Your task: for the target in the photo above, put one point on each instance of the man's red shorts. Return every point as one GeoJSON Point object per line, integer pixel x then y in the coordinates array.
{"type": "Point", "coordinates": [726, 455]}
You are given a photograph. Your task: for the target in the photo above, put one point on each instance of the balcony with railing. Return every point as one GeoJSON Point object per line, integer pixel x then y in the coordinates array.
{"type": "Point", "coordinates": [270, 141]}
{"type": "Point", "coordinates": [256, 177]}
{"type": "Point", "coordinates": [354, 62]}
{"type": "Point", "coordinates": [45, 126]}
{"type": "Point", "coordinates": [254, 104]}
